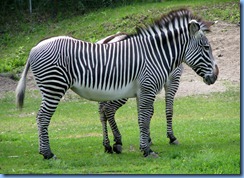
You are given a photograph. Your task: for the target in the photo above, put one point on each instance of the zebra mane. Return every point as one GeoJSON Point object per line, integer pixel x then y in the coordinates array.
{"type": "Point", "coordinates": [165, 20]}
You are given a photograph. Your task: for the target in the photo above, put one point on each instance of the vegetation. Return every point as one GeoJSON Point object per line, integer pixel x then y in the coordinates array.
{"type": "Point", "coordinates": [207, 126]}
{"type": "Point", "coordinates": [20, 33]}
{"type": "Point", "coordinates": [209, 138]}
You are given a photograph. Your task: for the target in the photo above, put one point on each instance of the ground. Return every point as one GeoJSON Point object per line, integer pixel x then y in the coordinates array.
{"type": "Point", "coordinates": [225, 41]}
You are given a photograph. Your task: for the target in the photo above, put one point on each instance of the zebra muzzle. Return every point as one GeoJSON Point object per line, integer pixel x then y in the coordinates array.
{"type": "Point", "coordinates": [210, 79]}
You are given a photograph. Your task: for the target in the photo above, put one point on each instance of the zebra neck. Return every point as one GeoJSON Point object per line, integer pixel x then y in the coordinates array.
{"type": "Point", "coordinates": [164, 50]}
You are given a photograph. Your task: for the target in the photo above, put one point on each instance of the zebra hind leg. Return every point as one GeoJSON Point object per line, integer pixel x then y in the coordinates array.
{"type": "Point", "coordinates": [110, 110]}
{"type": "Point", "coordinates": [114, 106]}
{"type": "Point", "coordinates": [107, 112]}
{"type": "Point", "coordinates": [169, 98]}
{"type": "Point", "coordinates": [169, 115]}
{"type": "Point", "coordinates": [51, 97]}
{"type": "Point", "coordinates": [117, 146]}
{"type": "Point", "coordinates": [43, 119]}
{"type": "Point", "coordinates": [172, 139]}
{"type": "Point", "coordinates": [103, 118]}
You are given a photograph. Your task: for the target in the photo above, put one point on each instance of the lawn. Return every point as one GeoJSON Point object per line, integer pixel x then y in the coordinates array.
{"type": "Point", "coordinates": [207, 127]}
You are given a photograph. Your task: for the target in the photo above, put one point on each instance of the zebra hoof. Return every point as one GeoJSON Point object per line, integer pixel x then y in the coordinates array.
{"type": "Point", "coordinates": [150, 154]}
{"type": "Point", "coordinates": [117, 148]}
{"type": "Point", "coordinates": [108, 149]}
{"type": "Point", "coordinates": [51, 156]}
{"type": "Point", "coordinates": [153, 155]}
{"type": "Point", "coordinates": [175, 142]}
{"type": "Point", "coordinates": [54, 157]}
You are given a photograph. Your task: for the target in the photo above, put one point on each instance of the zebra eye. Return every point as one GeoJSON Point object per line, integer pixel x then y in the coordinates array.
{"type": "Point", "coordinates": [206, 47]}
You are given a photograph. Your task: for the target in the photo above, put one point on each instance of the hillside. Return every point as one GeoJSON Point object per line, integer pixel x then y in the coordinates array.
{"type": "Point", "coordinates": [225, 38]}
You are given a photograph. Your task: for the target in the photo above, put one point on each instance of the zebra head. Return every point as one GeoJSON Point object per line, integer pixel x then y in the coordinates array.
{"type": "Point", "coordinates": [199, 53]}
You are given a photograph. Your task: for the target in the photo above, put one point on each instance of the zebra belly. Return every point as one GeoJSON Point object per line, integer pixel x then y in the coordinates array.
{"type": "Point", "coordinates": [94, 94]}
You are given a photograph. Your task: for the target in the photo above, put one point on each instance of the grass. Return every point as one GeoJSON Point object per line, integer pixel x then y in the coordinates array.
{"type": "Point", "coordinates": [207, 126]}
{"type": "Point", "coordinates": [18, 38]}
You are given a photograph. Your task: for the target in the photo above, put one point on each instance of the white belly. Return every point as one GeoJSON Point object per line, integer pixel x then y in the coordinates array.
{"type": "Point", "coordinates": [129, 91]}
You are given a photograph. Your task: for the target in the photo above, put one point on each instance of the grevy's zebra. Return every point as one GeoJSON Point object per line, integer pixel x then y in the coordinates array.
{"type": "Point", "coordinates": [135, 67]}
{"type": "Point", "coordinates": [107, 109]}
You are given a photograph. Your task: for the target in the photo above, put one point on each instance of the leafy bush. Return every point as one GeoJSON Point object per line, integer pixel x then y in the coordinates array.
{"type": "Point", "coordinates": [18, 60]}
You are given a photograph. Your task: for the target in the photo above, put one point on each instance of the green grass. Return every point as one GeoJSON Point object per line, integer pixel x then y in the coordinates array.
{"type": "Point", "coordinates": [18, 38]}
{"type": "Point", "coordinates": [207, 126]}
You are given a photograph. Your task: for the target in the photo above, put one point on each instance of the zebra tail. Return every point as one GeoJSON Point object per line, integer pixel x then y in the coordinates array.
{"type": "Point", "coordinates": [20, 90]}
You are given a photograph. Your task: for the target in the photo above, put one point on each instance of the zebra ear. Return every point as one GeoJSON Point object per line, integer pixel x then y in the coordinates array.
{"type": "Point", "coordinates": [194, 27]}
{"type": "Point", "coordinates": [205, 25]}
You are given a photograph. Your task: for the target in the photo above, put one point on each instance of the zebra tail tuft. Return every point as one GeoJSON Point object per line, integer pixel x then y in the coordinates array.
{"type": "Point", "coordinates": [20, 89]}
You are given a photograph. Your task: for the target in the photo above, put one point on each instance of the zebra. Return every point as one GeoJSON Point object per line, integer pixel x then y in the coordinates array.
{"type": "Point", "coordinates": [108, 109]}
{"type": "Point", "coordinates": [136, 67]}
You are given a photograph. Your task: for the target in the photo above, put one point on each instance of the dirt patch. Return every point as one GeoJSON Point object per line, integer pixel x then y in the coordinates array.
{"type": "Point", "coordinates": [225, 41]}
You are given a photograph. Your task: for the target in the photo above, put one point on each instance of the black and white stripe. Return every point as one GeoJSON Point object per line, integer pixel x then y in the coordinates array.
{"type": "Point", "coordinates": [135, 67]}
{"type": "Point", "coordinates": [108, 109]}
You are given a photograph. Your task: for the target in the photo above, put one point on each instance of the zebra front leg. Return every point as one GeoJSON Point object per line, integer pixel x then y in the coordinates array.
{"type": "Point", "coordinates": [171, 86]}
{"type": "Point", "coordinates": [145, 112]}
{"type": "Point", "coordinates": [103, 118]}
